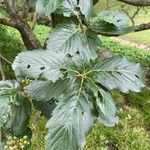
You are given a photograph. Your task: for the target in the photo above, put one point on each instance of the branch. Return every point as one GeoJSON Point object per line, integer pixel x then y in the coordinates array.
{"type": "Point", "coordinates": [136, 2]}
{"type": "Point", "coordinates": [34, 22]}
{"type": "Point", "coordinates": [26, 8]}
{"type": "Point", "coordinates": [5, 59]}
{"type": "Point", "coordinates": [141, 27]}
{"type": "Point", "coordinates": [138, 28]}
{"type": "Point", "coordinates": [2, 70]}
{"type": "Point", "coordinates": [134, 14]}
{"type": "Point", "coordinates": [11, 8]}
{"type": "Point", "coordinates": [7, 22]}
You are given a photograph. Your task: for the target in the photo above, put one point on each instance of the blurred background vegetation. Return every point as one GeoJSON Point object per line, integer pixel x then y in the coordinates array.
{"type": "Point", "coordinates": [133, 130]}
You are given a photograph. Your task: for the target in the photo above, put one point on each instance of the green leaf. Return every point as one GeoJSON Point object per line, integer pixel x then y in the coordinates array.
{"type": "Point", "coordinates": [47, 6]}
{"type": "Point", "coordinates": [70, 39]}
{"type": "Point", "coordinates": [15, 110]}
{"type": "Point", "coordinates": [111, 22]}
{"type": "Point", "coordinates": [8, 94]}
{"type": "Point", "coordinates": [119, 73]}
{"type": "Point", "coordinates": [33, 2]}
{"type": "Point", "coordinates": [46, 90]}
{"type": "Point", "coordinates": [2, 146]}
{"type": "Point", "coordinates": [107, 109]}
{"type": "Point", "coordinates": [39, 64]}
{"type": "Point", "coordinates": [5, 111]}
{"type": "Point", "coordinates": [8, 87]}
{"type": "Point", "coordinates": [104, 104]}
{"type": "Point", "coordinates": [71, 7]}
{"type": "Point", "coordinates": [74, 123]}
{"type": "Point", "coordinates": [86, 7]}
{"type": "Point", "coordinates": [20, 118]}
{"type": "Point", "coordinates": [68, 8]}
{"type": "Point", "coordinates": [46, 108]}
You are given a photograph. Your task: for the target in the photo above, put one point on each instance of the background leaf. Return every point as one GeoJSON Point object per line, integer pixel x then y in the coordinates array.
{"type": "Point", "coordinates": [46, 108]}
{"type": "Point", "coordinates": [20, 118]}
{"type": "Point", "coordinates": [111, 22]}
{"type": "Point", "coordinates": [8, 94]}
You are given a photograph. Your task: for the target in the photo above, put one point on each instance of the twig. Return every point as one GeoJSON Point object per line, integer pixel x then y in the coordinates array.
{"type": "Point", "coordinates": [34, 20]}
{"type": "Point", "coordinates": [25, 11]}
{"type": "Point", "coordinates": [2, 71]}
{"type": "Point", "coordinates": [5, 59]}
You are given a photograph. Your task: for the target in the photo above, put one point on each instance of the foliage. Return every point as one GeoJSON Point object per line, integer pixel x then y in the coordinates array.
{"type": "Point", "coordinates": [10, 46]}
{"type": "Point", "coordinates": [134, 54]}
{"type": "Point", "coordinates": [141, 101]}
{"type": "Point", "coordinates": [46, 86]}
{"type": "Point", "coordinates": [128, 134]}
{"type": "Point", "coordinates": [103, 138]}
{"type": "Point", "coordinates": [15, 109]}
{"type": "Point", "coordinates": [71, 75]}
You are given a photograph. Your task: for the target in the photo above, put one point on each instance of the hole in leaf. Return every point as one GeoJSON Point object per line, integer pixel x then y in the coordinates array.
{"type": "Point", "coordinates": [82, 113]}
{"type": "Point", "coordinates": [68, 55]}
{"type": "Point", "coordinates": [77, 52]}
{"type": "Point", "coordinates": [109, 72]}
{"type": "Point", "coordinates": [28, 66]}
{"type": "Point", "coordinates": [119, 73]}
{"type": "Point", "coordinates": [42, 68]}
{"type": "Point", "coordinates": [137, 76]}
{"type": "Point", "coordinates": [63, 70]}
{"type": "Point", "coordinates": [100, 97]}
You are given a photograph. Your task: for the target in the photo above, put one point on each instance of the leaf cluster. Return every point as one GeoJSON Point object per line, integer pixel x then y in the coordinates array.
{"type": "Point", "coordinates": [71, 78]}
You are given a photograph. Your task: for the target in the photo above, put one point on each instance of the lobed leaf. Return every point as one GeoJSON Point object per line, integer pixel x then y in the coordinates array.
{"type": "Point", "coordinates": [68, 8]}
{"type": "Point", "coordinates": [20, 118]}
{"type": "Point", "coordinates": [74, 123]}
{"type": "Point", "coordinates": [119, 73]}
{"type": "Point", "coordinates": [107, 109]}
{"type": "Point", "coordinates": [70, 39]}
{"type": "Point", "coordinates": [8, 94]}
{"type": "Point", "coordinates": [104, 103]}
{"type": "Point", "coordinates": [46, 90]}
{"type": "Point", "coordinates": [47, 6]}
{"type": "Point", "coordinates": [111, 22]}
{"type": "Point", "coordinates": [86, 7]}
{"type": "Point", "coordinates": [39, 64]}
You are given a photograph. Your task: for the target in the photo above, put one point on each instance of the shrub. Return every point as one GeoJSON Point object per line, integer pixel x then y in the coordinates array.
{"type": "Point", "coordinates": [134, 54]}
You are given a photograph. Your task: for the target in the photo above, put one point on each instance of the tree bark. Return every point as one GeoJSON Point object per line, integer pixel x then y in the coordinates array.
{"type": "Point", "coordinates": [19, 21]}
{"type": "Point", "coordinates": [28, 37]}
{"type": "Point", "coordinates": [141, 27]}
{"type": "Point", "coordinates": [136, 2]}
